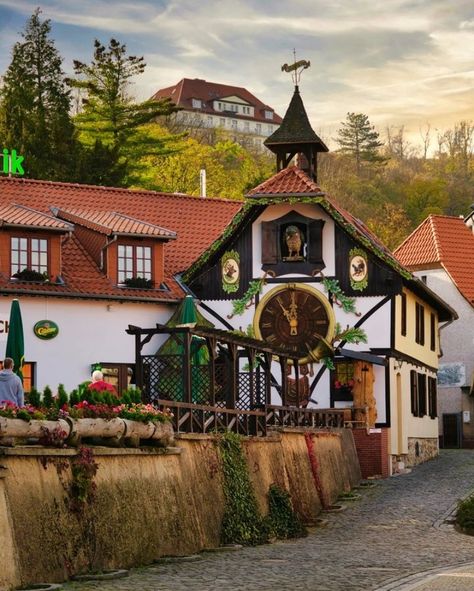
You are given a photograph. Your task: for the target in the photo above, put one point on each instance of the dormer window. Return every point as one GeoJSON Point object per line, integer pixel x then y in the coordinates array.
{"type": "Point", "coordinates": [134, 261]}
{"type": "Point", "coordinates": [29, 253]}
{"type": "Point", "coordinates": [196, 103]}
{"type": "Point", "coordinates": [268, 114]}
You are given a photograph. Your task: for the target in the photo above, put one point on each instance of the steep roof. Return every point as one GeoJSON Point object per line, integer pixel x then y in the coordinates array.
{"type": "Point", "coordinates": [446, 242]}
{"type": "Point", "coordinates": [293, 185]}
{"type": "Point", "coordinates": [112, 222]}
{"type": "Point", "coordinates": [196, 221]}
{"type": "Point", "coordinates": [295, 127]}
{"type": "Point", "coordinates": [186, 89]}
{"type": "Point", "coordinates": [12, 214]}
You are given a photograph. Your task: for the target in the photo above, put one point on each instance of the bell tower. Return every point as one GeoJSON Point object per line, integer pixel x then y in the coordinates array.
{"type": "Point", "coordinates": [295, 137]}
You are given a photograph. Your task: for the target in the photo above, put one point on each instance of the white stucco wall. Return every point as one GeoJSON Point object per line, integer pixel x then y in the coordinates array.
{"type": "Point", "coordinates": [89, 332]}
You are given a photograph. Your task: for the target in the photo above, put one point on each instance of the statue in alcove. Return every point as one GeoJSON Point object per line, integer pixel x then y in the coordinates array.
{"type": "Point", "coordinates": [294, 240]}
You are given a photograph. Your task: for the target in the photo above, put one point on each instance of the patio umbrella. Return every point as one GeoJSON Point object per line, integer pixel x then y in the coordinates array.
{"type": "Point", "coordinates": [172, 351]}
{"type": "Point", "coordinates": [15, 342]}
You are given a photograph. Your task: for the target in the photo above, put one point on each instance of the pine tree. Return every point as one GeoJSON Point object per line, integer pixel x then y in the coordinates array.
{"type": "Point", "coordinates": [35, 103]}
{"type": "Point", "coordinates": [109, 114]}
{"type": "Point", "coordinates": [358, 138]}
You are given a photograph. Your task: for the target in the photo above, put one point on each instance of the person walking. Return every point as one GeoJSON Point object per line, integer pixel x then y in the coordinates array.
{"type": "Point", "coordinates": [11, 388]}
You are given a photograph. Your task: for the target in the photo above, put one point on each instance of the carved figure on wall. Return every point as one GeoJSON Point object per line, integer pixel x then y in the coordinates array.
{"type": "Point", "coordinates": [304, 371]}
{"type": "Point", "coordinates": [294, 241]}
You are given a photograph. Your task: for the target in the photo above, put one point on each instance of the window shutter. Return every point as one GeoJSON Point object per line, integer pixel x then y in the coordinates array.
{"type": "Point", "coordinates": [413, 393]}
{"type": "Point", "coordinates": [421, 395]}
{"type": "Point", "coordinates": [432, 398]}
{"type": "Point", "coordinates": [269, 243]}
{"type": "Point", "coordinates": [315, 241]}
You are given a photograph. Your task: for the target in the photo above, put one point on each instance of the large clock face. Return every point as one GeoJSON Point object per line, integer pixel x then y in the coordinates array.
{"type": "Point", "coordinates": [295, 317]}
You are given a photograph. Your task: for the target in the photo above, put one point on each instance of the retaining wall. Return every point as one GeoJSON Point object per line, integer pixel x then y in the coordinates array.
{"type": "Point", "coordinates": [149, 503]}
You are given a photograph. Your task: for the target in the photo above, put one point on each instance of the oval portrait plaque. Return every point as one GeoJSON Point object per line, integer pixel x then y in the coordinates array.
{"type": "Point", "coordinates": [46, 329]}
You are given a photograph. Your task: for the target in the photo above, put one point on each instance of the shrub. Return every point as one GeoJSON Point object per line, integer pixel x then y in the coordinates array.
{"type": "Point", "coordinates": [465, 513]}
{"type": "Point", "coordinates": [47, 397]}
{"type": "Point", "coordinates": [62, 398]}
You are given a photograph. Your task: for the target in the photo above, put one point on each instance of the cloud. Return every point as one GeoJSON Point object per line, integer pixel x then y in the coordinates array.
{"type": "Point", "coordinates": [398, 61]}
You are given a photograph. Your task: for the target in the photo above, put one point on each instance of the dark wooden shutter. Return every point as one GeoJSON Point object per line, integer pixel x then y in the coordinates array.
{"type": "Point", "coordinates": [432, 398]}
{"type": "Point", "coordinates": [315, 241]}
{"type": "Point", "coordinates": [422, 325]}
{"type": "Point", "coordinates": [404, 314]}
{"type": "Point", "coordinates": [413, 393]}
{"type": "Point", "coordinates": [421, 395]}
{"type": "Point", "coordinates": [433, 332]}
{"type": "Point", "coordinates": [269, 243]}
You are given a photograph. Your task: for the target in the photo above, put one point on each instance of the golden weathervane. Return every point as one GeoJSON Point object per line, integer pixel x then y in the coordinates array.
{"type": "Point", "coordinates": [296, 68]}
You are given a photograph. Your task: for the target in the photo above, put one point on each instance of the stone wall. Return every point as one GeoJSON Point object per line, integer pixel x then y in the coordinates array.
{"type": "Point", "coordinates": [148, 503]}
{"type": "Point", "coordinates": [421, 449]}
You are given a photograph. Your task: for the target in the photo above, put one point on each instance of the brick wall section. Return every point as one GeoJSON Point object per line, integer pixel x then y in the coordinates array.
{"type": "Point", "coordinates": [372, 450]}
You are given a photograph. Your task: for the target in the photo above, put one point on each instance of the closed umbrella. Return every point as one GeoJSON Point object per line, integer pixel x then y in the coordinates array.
{"type": "Point", "coordinates": [15, 341]}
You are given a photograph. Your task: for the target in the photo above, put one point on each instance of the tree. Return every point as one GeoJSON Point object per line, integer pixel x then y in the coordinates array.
{"type": "Point", "coordinates": [35, 103]}
{"type": "Point", "coordinates": [109, 113]}
{"type": "Point", "coordinates": [358, 138]}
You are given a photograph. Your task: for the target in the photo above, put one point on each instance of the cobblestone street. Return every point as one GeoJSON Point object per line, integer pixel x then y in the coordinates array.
{"type": "Point", "coordinates": [394, 530]}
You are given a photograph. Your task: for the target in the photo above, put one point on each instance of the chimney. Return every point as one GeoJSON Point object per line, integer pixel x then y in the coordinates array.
{"type": "Point", "coordinates": [202, 182]}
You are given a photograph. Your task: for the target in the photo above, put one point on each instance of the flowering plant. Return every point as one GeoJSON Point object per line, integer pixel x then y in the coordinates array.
{"type": "Point", "coordinates": [142, 412]}
{"type": "Point", "coordinates": [344, 385]}
{"type": "Point", "coordinates": [87, 410]}
{"type": "Point", "coordinates": [28, 412]}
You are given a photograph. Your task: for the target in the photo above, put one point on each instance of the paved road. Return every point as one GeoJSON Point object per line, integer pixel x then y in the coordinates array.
{"type": "Point", "coordinates": [395, 529]}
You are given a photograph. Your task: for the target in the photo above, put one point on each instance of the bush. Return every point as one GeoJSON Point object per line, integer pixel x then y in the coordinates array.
{"type": "Point", "coordinates": [465, 514]}
{"type": "Point", "coordinates": [47, 397]}
{"type": "Point", "coordinates": [283, 521]}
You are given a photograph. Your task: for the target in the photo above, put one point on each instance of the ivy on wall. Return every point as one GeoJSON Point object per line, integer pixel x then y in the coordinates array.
{"type": "Point", "coordinates": [242, 522]}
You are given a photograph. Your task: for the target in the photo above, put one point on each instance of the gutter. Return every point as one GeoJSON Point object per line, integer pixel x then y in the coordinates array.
{"type": "Point", "coordinates": [85, 296]}
{"type": "Point", "coordinates": [107, 244]}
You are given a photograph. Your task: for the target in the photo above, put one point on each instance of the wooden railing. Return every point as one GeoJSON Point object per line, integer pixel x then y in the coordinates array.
{"type": "Point", "coordinates": [290, 416]}
{"type": "Point", "coordinates": [196, 418]}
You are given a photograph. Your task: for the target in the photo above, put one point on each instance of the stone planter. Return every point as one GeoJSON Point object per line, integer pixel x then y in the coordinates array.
{"type": "Point", "coordinates": [14, 429]}
{"type": "Point", "coordinates": [112, 431]}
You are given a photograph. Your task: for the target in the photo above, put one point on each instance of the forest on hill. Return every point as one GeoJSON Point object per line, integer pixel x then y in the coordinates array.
{"type": "Point", "coordinates": [89, 129]}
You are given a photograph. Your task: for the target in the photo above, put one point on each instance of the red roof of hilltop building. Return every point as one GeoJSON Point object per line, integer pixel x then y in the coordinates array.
{"type": "Point", "coordinates": [442, 242]}
{"type": "Point", "coordinates": [188, 224]}
{"type": "Point", "coordinates": [187, 89]}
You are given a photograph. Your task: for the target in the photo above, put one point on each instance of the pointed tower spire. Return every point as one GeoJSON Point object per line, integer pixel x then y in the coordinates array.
{"type": "Point", "coordinates": [295, 136]}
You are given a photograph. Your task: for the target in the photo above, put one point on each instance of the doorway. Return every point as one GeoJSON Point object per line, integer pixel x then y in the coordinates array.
{"type": "Point", "coordinates": [452, 430]}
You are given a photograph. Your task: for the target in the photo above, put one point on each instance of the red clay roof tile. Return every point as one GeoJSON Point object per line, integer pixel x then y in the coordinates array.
{"type": "Point", "coordinates": [442, 241]}
{"type": "Point", "coordinates": [196, 221]}
{"type": "Point", "coordinates": [112, 222]}
{"type": "Point", "coordinates": [12, 214]}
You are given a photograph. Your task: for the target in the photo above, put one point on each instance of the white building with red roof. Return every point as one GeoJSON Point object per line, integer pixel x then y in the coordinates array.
{"type": "Point", "coordinates": [85, 245]}
{"type": "Point", "coordinates": [231, 109]}
{"type": "Point", "coordinates": [440, 251]}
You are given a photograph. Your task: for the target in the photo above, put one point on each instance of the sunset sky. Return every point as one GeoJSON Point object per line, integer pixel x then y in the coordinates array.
{"type": "Point", "coordinates": [400, 62]}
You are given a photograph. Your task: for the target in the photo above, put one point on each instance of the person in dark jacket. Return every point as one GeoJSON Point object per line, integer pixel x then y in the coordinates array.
{"type": "Point", "coordinates": [11, 388]}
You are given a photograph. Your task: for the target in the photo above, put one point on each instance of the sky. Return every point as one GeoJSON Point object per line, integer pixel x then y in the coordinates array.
{"type": "Point", "coordinates": [401, 62]}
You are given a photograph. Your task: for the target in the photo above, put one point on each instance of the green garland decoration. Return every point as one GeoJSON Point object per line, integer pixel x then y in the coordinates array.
{"type": "Point", "coordinates": [347, 303]}
{"type": "Point", "coordinates": [247, 300]}
{"type": "Point", "coordinates": [379, 250]}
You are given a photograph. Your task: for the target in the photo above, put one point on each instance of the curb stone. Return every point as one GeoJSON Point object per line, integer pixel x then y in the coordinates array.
{"type": "Point", "coordinates": [411, 582]}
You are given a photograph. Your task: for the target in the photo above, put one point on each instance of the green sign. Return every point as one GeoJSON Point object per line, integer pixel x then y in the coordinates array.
{"type": "Point", "coordinates": [46, 329]}
{"type": "Point", "coordinates": [12, 162]}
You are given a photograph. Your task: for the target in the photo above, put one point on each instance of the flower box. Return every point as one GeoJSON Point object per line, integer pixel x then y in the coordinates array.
{"type": "Point", "coordinates": [12, 429]}
{"type": "Point", "coordinates": [112, 430]}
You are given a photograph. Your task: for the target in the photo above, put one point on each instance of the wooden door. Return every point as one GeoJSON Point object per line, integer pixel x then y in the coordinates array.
{"type": "Point", "coordinates": [452, 430]}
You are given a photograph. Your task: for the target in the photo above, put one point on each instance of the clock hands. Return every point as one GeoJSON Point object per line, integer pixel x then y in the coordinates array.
{"type": "Point", "coordinates": [291, 315]}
